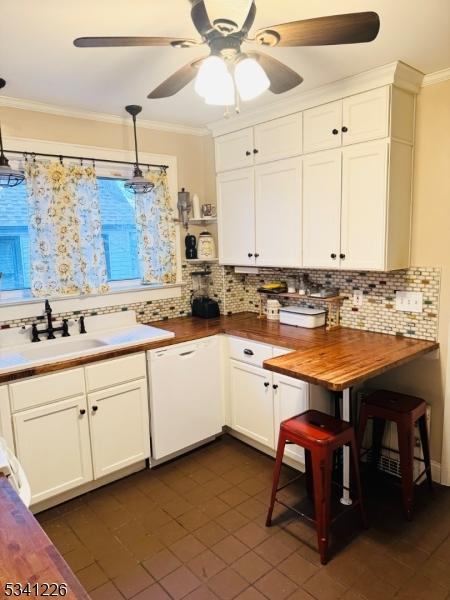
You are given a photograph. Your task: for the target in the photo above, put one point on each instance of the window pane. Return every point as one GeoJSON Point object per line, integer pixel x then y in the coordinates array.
{"type": "Point", "coordinates": [118, 229]}
{"type": "Point", "coordinates": [14, 238]}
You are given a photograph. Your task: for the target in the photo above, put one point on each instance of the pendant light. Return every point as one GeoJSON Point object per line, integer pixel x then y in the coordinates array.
{"type": "Point", "coordinates": [8, 177]}
{"type": "Point", "coordinates": [137, 184]}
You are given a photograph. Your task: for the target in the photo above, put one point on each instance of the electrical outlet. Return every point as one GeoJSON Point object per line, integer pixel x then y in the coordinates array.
{"type": "Point", "coordinates": [357, 297]}
{"type": "Point", "coordinates": [409, 301]}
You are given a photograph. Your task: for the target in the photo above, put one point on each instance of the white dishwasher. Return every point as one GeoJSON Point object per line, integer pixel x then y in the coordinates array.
{"type": "Point", "coordinates": [185, 395]}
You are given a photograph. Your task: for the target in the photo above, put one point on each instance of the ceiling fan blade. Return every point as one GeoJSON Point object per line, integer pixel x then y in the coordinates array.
{"type": "Point", "coordinates": [352, 28]}
{"type": "Point", "coordinates": [176, 81]}
{"type": "Point", "coordinates": [199, 16]}
{"type": "Point", "coordinates": [108, 42]}
{"type": "Point", "coordinates": [282, 78]}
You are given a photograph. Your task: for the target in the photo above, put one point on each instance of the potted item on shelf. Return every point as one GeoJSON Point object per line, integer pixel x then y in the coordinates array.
{"type": "Point", "coordinates": [206, 246]}
{"type": "Point", "coordinates": [190, 243]}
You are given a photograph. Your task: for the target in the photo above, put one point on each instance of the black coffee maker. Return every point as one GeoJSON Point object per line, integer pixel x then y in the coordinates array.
{"type": "Point", "coordinates": [202, 305]}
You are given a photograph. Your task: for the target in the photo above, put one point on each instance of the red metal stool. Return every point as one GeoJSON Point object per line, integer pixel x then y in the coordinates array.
{"type": "Point", "coordinates": [405, 411]}
{"type": "Point", "coordinates": [320, 435]}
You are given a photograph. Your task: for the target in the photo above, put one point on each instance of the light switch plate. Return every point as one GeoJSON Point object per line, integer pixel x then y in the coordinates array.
{"type": "Point", "coordinates": [357, 297]}
{"type": "Point", "coordinates": [409, 301]}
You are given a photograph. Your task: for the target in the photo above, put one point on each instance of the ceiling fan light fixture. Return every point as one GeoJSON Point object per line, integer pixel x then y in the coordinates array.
{"type": "Point", "coordinates": [251, 79]}
{"type": "Point", "coordinates": [223, 92]}
{"type": "Point", "coordinates": [212, 73]}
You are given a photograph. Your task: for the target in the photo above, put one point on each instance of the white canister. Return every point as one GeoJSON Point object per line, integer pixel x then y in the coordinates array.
{"type": "Point", "coordinates": [196, 207]}
{"type": "Point", "coordinates": [206, 247]}
{"type": "Point", "coordinates": [273, 309]}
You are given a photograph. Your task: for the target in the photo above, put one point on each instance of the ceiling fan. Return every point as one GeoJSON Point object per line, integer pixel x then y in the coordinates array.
{"type": "Point", "coordinates": [224, 27]}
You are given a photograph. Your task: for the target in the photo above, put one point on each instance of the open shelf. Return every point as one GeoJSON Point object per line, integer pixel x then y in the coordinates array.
{"type": "Point", "coordinates": [295, 296]}
{"type": "Point", "coordinates": [202, 222]}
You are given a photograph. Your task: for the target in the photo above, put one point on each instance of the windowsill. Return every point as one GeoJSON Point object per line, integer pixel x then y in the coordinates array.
{"type": "Point", "coordinates": [19, 304]}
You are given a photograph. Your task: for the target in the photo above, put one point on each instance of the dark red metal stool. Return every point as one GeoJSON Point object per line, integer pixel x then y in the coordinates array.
{"type": "Point", "coordinates": [405, 411]}
{"type": "Point", "coordinates": [320, 435]}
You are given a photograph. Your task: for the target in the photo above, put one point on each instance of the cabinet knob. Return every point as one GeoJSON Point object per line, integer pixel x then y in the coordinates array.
{"type": "Point", "coordinates": [333, 255]}
{"type": "Point", "coordinates": [266, 384]}
{"type": "Point", "coordinates": [342, 256]}
{"type": "Point", "coordinates": [95, 408]}
{"type": "Point", "coordinates": [344, 129]}
{"type": "Point", "coordinates": [256, 255]}
{"type": "Point", "coordinates": [248, 352]}
{"type": "Point", "coordinates": [255, 151]}
{"type": "Point", "coordinates": [247, 153]}
{"type": "Point", "coordinates": [250, 254]}
{"type": "Point", "coordinates": [82, 411]}
{"type": "Point", "coordinates": [275, 386]}
{"type": "Point", "coordinates": [335, 132]}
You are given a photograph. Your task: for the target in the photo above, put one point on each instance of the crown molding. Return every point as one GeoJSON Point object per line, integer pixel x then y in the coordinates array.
{"type": "Point", "coordinates": [61, 111]}
{"type": "Point", "coordinates": [436, 77]}
{"type": "Point", "coordinates": [395, 73]}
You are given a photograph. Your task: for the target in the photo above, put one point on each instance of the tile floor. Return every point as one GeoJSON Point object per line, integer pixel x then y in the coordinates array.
{"type": "Point", "coordinates": [194, 529]}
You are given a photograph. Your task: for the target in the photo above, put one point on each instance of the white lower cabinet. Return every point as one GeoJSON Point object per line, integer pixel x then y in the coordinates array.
{"type": "Point", "coordinates": [291, 397]}
{"type": "Point", "coordinates": [119, 426]}
{"type": "Point", "coordinates": [252, 402]}
{"type": "Point", "coordinates": [52, 443]}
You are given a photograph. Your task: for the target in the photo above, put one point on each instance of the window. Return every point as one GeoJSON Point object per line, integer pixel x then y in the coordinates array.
{"type": "Point", "coordinates": [14, 239]}
{"type": "Point", "coordinates": [118, 229]}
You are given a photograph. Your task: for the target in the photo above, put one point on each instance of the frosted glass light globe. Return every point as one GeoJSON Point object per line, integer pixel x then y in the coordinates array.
{"type": "Point", "coordinates": [251, 79]}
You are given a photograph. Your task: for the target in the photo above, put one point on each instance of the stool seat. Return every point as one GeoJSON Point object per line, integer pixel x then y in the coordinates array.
{"type": "Point", "coordinates": [320, 435]}
{"type": "Point", "coordinates": [394, 401]}
{"type": "Point", "coordinates": [315, 427]}
{"type": "Point", "coordinates": [405, 411]}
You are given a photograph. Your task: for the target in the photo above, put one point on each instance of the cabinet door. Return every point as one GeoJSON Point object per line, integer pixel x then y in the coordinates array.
{"type": "Point", "coordinates": [277, 139]}
{"type": "Point", "coordinates": [236, 217]}
{"type": "Point", "coordinates": [234, 150]}
{"type": "Point", "coordinates": [291, 397]}
{"type": "Point", "coordinates": [52, 444]}
{"type": "Point", "coordinates": [120, 431]}
{"type": "Point", "coordinates": [321, 209]}
{"type": "Point", "coordinates": [364, 199]}
{"type": "Point", "coordinates": [252, 402]}
{"type": "Point", "coordinates": [278, 210]}
{"type": "Point", "coordinates": [322, 127]}
{"type": "Point", "coordinates": [365, 116]}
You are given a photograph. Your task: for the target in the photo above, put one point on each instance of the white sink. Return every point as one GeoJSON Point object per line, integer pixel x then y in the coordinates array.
{"type": "Point", "coordinates": [56, 349]}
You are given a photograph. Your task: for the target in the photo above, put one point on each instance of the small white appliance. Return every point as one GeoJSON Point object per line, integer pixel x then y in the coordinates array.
{"type": "Point", "coordinates": [302, 316]}
{"type": "Point", "coordinates": [13, 471]}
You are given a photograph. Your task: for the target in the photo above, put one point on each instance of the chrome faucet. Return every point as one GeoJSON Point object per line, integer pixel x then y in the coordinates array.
{"type": "Point", "coordinates": [50, 330]}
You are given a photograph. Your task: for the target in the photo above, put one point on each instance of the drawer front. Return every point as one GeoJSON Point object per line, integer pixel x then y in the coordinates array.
{"type": "Point", "coordinates": [116, 371]}
{"type": "Point", "coordinates": [253, 353]}
{"type": "Point", "coordinates": [45, 389]}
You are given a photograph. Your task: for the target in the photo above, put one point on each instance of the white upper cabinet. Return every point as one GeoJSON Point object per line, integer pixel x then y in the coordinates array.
{"type": "Point", "coordinates": [234, 150]}
{"type": "Point", "coordinates": [236, 217]}
{"type": "Point", "coordinates": [277, 139]}
{"type": "Point", "coordinates": [365, 116]}
{"type": "Point", "coordinates": [322, 209]}
{"type": "Point", "coordinates": [364, 204]}
{"type": "Point", "coordinates": [354, 119]}
{"type": "Point", "coordinates": [278, 213]}
{"type": "Point", "coordinates": [322, 127]}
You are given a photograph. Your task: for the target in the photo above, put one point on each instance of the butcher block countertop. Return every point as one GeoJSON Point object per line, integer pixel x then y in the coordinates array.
{"type": "Point", "coordinates": [27, 555]}
{"type": "Point", "coordinates": [334, 359]}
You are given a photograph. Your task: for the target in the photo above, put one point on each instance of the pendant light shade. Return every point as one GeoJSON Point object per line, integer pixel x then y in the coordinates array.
{"type": "Point", "coordinates": [251, 79]}
{"type": "Point", "coordinates": [8, 177]}
{"type": "Point", "coordinates": [214, 82]}
{"type": "Point", "coordinates": [137, 184]}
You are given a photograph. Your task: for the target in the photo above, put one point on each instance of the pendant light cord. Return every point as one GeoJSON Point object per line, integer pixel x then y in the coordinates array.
{"type": "Point", "coordinates": [138, 170]}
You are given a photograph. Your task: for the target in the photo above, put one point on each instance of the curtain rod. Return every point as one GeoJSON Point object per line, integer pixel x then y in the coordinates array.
{"type": "Point", "coordinates": [61, 157]}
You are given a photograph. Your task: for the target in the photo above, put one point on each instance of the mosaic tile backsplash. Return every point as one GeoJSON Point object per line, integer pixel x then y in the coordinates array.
{"type": "Point", "coordinates": [236, 293]}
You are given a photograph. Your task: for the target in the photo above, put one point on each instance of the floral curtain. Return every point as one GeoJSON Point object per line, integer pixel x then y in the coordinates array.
{"type": "Point", "coordinates": [156, 232]}
{"type": "Point", "coordinates": [67, 252]}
